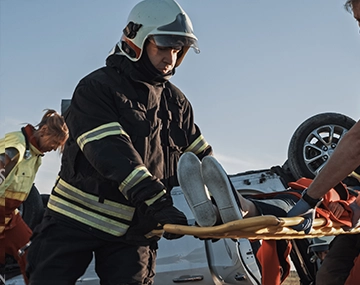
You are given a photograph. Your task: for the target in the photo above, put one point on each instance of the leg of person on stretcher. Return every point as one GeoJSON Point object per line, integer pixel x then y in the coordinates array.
{"type": "Point", "coordinates": [229, 202]}
{"type": "Point", "coordinates": [248, 208]}
{"type": "Point", "coordinates": [194, 175]}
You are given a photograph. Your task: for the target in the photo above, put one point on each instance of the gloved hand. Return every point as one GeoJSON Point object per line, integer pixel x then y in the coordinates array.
{"type": "Point", "coordinates": [162, 209]}
{"type": "Point", "coordinates": [164, 212]}
{"type": "Point", "coordinates": [303, 209]}
{"type": "Point", "coordinates": [356, 214]}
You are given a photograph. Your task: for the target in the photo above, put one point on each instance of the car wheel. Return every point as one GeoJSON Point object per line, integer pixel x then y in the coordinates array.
{"type": "Point", "coordinates": [32, 209]}
{"type": "Point", "coordinates": [314, 141]}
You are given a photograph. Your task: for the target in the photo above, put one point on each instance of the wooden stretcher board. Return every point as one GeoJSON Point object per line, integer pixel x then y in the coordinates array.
{"type": "Point", "coordinates": [261, 227]}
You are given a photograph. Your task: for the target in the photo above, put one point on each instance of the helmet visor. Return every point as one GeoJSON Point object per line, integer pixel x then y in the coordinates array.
{"type": "Point", "coordinates": [174, 41]}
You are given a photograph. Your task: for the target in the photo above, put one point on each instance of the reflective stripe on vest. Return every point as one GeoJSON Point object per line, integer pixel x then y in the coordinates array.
{"type": "Point", "coordinates": [14, 195]}
{"type": "Point", "coordinates": [110, 217]}
{"type": "Point", "coordinates": [100, 132]}
{"type": "Point", "coordinates": [198, 145]}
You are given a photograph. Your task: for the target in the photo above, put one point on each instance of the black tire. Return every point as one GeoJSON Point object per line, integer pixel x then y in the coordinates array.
{"type": "Point", "coordinates": [32, 209]}
{"type": "Point", "coordinates": [314, 141]}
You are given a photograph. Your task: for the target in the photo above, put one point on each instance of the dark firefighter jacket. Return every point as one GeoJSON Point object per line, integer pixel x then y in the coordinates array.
{"type": "Point", "coordinates": [125, 132]}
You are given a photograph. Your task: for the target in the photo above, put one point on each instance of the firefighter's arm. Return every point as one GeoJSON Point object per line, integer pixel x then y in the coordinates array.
{"type": "Point", "coordinates": [94, 124]}
{"type": "Point", "coordinates": [343, 161]}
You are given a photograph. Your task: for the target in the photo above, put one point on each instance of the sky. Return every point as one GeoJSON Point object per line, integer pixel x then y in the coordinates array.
{"type": "Point", "coordinates": [264, 68]}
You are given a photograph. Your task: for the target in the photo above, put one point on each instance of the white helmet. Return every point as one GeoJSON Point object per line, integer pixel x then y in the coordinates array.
{"type": "Point", "coordinates": [164, 21]}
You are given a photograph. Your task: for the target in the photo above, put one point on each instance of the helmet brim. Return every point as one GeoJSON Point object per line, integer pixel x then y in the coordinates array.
{"type": "Point", "coordinates": [175, 41]}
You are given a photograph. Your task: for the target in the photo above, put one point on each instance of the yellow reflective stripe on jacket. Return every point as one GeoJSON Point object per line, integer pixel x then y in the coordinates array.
{"type": "Point", "coordinates": [198, 145]}
{"type": "Point", "coordinates": [355, 175]}
{"type": "Point", "coordinates": [85, 208]}
{"type": "Point", "coordinates": [136, 176]}
{"type": "Point", "coordinates": [153, 199]}
{"type": "Point", "coordinates": [87, 217]}
{"type": "Point", "coordinates": [100, 132]}
{"type": "Point", "coordinates": [91, 201]}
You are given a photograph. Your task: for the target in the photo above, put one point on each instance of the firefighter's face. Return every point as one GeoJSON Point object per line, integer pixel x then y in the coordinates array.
{"type": "Point", "coordinates": [162, 58]}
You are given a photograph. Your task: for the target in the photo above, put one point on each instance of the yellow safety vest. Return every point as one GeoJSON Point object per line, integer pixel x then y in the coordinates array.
{"type": "Point", "coordinates": [18, 183]}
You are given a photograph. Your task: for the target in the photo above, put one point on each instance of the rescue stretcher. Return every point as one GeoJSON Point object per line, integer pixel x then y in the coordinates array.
{"type": "Point", "coordinates": [271, 229]}
{"type": "Point", "coordinates": [263, 228]}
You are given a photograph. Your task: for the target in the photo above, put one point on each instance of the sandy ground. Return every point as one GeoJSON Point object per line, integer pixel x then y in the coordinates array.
{"type": "Point", "coordinates": [292, 279]}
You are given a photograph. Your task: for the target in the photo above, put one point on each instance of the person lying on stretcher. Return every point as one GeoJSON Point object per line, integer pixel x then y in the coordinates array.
{"type": "Point", "coordinates": [205, 183]}
{"type": "Point", "coordinates": [213, 200]}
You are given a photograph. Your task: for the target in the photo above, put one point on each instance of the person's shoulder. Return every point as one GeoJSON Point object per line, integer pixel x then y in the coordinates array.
{"type": "Point", "coordinates": [16, 136]}
{"type": "Point", "coordinates": [15, 140]}
{"type": "Point", "coordinates": [103, 76]}
{"type": "Point", "coordinates": [97, 74]}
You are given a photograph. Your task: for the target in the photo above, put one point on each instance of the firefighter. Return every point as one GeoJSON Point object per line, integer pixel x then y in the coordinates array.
{"type": "Point", "coordinates": [128, 127]}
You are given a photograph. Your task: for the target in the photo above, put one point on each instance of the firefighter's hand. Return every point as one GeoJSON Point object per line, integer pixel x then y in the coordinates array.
{"type": "Point", "coordinates": [303, 209]}
{"type": "Point", "coordinates": [164, 212]}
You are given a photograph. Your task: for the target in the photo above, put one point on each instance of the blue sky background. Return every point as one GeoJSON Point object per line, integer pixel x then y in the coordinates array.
{"type": "Point", "coordinates": [264, 68]}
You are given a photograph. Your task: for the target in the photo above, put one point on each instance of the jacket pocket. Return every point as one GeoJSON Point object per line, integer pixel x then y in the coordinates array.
{"type": "Point", "coordinates": [24, 177]}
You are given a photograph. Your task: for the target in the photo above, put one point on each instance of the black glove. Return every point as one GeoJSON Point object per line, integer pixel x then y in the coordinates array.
{"type": "Point", "coordinates": [164, 212]}
{"type": "Point", "coordinates": [303, 209]}
{"type": "Point", "coordinates": [162, 209]}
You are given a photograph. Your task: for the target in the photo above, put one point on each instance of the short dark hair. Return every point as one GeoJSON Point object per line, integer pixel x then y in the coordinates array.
{"type": "Point", "coordinates": [349, 5]}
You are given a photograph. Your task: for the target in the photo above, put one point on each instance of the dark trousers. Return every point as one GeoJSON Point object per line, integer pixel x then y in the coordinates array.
{"type": "Point", "coordinates": [338, 263]}
{"type": "Point", "coordinates": [60, 254]}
